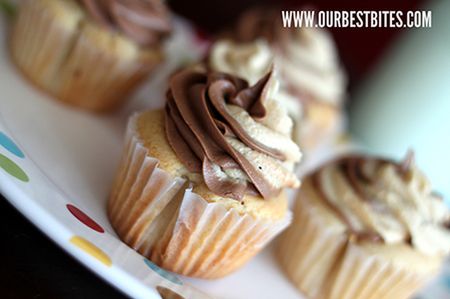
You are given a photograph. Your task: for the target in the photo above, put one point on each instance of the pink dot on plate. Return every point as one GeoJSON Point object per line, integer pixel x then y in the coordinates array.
{"type": "Point", "coordinates": [85, 219]}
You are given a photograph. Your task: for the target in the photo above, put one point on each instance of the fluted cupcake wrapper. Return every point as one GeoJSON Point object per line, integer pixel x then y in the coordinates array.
{"type": "Point", "coordinates": [307, 250]}
{"type": "Point", "coordinates": [77, 62]}
{"type": "Point", "coordinates": [323, 263]}
{"type": "Point", "coordinates": [360, 274]}
{"type": "Point", "coordinates": [162, 218]}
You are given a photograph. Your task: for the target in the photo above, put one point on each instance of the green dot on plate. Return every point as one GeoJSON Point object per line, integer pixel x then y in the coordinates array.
{"type": "Point", "coordinates": [13, 169]}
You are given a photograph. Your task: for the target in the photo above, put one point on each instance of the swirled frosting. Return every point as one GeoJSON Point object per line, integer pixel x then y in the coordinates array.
{"type": "Point", "coordinates": [306, 57]}
{"type": "Point", "coordinates": [251, 61]}
{"type": "Point", "coordinates": [308, 62]}
{"type": "Point", "coordinates": [228, 131]}
{"type": "Point", "coordinates": [383, 201]}
{"type": "Point", "coordinates": [146, 22]}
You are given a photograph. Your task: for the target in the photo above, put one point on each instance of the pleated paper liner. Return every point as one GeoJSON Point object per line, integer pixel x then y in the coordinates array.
{"type": "Point", "coordinates": [321, 261]}
{"type": "Point", "coordinates": [360, 274]}
{"type": "Point", "coordinates": [163, 219]}
{"type": "Point", "coordinates": [307, 250]}
{"type": "Point", "coordinates": [81, 64]}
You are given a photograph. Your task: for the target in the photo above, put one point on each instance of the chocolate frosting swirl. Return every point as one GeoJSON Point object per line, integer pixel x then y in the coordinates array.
{"type": "Point", "coordinates": [204, 112]}
{"type": "Point", "coordinates": [146, 22]}
{"type": "Point", "coordinates": [383, 201]}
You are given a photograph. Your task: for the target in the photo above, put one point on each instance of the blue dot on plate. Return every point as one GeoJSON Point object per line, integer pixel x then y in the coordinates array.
{"type": "Point", "coordinates": [163, 273]}
{"type": "Point", "coordinates": [7, 143]}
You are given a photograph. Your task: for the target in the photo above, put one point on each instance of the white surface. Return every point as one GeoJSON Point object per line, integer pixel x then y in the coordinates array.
{"type": "Point", "coordinates": [70, 157]}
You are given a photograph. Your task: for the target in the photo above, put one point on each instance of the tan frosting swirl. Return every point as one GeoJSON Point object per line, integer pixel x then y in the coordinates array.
{"type": "Point", "coordinates": [306, 57]}
{"type": "Point", "coordinates": [380, 200]}
{"type": "Point", "coordinates": [146, 22]}
{"type": "Point", "coordinates": [225, 129]}
{"type": "Point", "coordinates": [308, 62]}
{"type": "Point", "coordinates": [250, 61]}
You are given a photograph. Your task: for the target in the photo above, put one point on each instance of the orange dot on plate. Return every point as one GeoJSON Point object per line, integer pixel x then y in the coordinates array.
{"type": "Point", "coordinates": [91, 249]}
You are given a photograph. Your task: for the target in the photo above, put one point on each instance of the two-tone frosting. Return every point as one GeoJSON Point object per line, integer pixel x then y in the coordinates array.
{"type": "Point", "coordinates": [251, 61]}
{"type": "Point", "coordinates": [229, 131]}
{"type": "Point", "coordinates": [146, 22]}
{"type": "Point", "coordinates": [309, 64]}
{"type": "Point", "coordinates": [383, 201]}
{"type": "Point", "coordinates": [306, 57]}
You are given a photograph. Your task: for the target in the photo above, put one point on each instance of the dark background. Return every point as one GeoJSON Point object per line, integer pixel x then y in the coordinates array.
{"type": "Point", "coordinates": [359, 48]}
{"type": "Point", "coordinates": [32, 266]}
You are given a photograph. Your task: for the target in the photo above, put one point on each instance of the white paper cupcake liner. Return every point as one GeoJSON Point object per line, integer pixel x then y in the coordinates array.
{"type": "Point", "coordinates": [363, 275]}
{"type": "Point", "coordinates": [308, 250]}
{"type": "Point", "coordinates": [162, 218]}
{"type": "Point", "coordinates": [79, 63]}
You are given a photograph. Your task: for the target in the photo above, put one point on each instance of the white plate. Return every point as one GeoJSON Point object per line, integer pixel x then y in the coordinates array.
{"type": "Point", "coordinates": [57, 161]}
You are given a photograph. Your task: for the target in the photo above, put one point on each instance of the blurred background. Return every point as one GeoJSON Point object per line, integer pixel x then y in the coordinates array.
{"type": "Point", "coordinates": [359, 48]}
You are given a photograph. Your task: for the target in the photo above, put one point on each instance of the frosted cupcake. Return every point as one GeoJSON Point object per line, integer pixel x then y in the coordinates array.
{"type": "Point", "coordinates": [364, 228]}
{"type": "Point", "coordinates": [89, 53]}
{"type": "Point", "coordinates": [200, 187]}
{"type": "Point", "coordinates": [309, 70]}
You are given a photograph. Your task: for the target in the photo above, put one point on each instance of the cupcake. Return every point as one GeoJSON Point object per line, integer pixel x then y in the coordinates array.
{"type": "Point", "coordinates": [310, 72]}
{"type": "Point", "coordinates": [365, 227]}
{"type": "Point", "coordinates": [89, 53]}
{"type": "Point", "coordinates": [199, 190]}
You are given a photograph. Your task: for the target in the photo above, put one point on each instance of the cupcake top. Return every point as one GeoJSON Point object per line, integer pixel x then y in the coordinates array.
{"type": "Point", "coordinates": [146, 22]}
{"type": "Point", "coordinates": [308, 62]}
{"type": "Point", "coordinates": [251, 61]}
{"type": "Point", "coordinates": [383, 201]}
{"type": "Point", "coordinates": [231, 132]}
{"type": "Point", "coordinates": [306, 57]}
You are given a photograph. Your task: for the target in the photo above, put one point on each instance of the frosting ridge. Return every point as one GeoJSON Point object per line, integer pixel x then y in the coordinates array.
{"type": "Point", "coordinates": [306, 57]}
{"type": "Point", "coordinates": [308, 61]}
{"type": "Point", "coordinates": [251, 61]}
{"type": "Point", "coordinates": [215, 124]}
